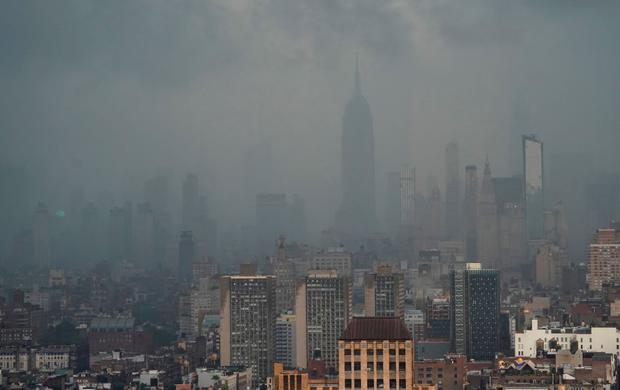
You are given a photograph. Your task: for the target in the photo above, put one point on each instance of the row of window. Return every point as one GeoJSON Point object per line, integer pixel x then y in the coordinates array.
{"type": "Point", "coordinates": [370, 383]}
{"type": "Point", "coordinates": [370, 352]}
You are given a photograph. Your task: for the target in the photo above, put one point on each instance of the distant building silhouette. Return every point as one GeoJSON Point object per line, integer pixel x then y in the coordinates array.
{"type": "Point", "coordinates": [356, 217]}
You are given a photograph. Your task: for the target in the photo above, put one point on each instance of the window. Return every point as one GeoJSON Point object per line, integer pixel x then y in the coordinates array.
{"type": "Point", "coordinates": [379, 352]}
{"type": "Point", "coordinates": [356, 352]}
{"type": "Point", "coordinates": [347, 366]}
{"type": "Point", "coordinates": [347, 383]}
{"type": "Point", "coordinates": [370, 383]}
{"type": "Point", "coordinates": [392, 383]}
{"type": "Point", "coordinates": [402, 383]}
{"type": "Point", "coordinates": [347, 352]}
{"type": "Point", "coordinates": [401, 352]}
{"type": "Point", "coordinates": [402, 366]}
{"type": "Point", "coordinates": [370, 352]}
{"type": "Point", "coordinates": [392, 366]}
{"type": "Point", "coordinates": [379, 366]}
{"type": "Point", "coordinates": [358, 383]}
{"type": "Point", "coordinates": [370, 366]}
{"type": "Point", "coordinates": [357, 366]}
{"type": "Point", "coordinates": [392, 352]}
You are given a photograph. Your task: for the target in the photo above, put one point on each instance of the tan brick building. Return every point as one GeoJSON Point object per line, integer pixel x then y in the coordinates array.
{"type": "Point", "coordinates": [604, 264]}
{"type": "Point", "coordinates": [375, 353]}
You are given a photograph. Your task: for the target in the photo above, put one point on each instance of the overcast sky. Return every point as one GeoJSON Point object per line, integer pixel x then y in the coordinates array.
{"type": "Point", "coordinates": [103, 94]}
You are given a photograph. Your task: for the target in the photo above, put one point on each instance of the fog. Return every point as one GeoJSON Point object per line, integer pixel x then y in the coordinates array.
{"type": "Point", "coordinates": [100, 96]}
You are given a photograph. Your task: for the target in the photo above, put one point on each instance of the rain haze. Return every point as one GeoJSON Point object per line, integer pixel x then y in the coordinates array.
{"type": "Point", "coordinates": [97, 97]}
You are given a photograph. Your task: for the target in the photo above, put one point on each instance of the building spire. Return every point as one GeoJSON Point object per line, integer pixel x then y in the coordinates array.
{"type": "Point", "coordinates": [358, 84]}
{"type": "Point", "coordinates": [487, 166]}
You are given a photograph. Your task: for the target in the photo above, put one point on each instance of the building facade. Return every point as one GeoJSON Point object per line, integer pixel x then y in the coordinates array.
{"type": "Point", "coordinates": [475, 309]}
{"type": "Point", "coordinates": [384, 293]}
{"type": "Point", "coordinates": [323, 308]}
{"type": "Point", "coordinates": [376, 353]}
{"type": "Point", "coordinates": [247, 322]}
{"type": "Point", "coordinates": [595, 339]}
{"type": "Point", "coordinates": [604, 253]}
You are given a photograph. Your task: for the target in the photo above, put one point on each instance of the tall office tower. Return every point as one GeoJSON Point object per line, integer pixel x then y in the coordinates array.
{"type": "Point", "coordinates": [549, 260]}
{"type": "Point", "coordinates": [297, 219]}
{"type": "Point", "coordinates": [356, 217]}
{"type": "Point", "coordinates": [604, 256]}
{"type": "Point", "coordinates": [474, 311]}
{"type": "Point", "coordinates": [556, 230]}
{"type": "Point", "coordinates": [392, 206]}
{"type": "Point", "coordinates": [384, 293]}
{"type": "Point", "coordinates": [285, 340]}
{"type": "Point", "coordinates": [511, 227]}
{"type": "Point", "coordinates": [376, 353]}
{"type": "Point", "coordinates": [471, 213]}
{"type": "Point", "coordinates": [247, 322]}
{"type": "Point", "coordinates": [186, 256]}
{"type": "Point", "coordinates": [190, 202]}
{"type": "Point", "coordinates": [91, 234]}
{"type": "Point", "coordinates": [271, 220]}
{"type": "Point", "coordinates": [323, 308]}
{"type": "Point", "coordinates": [336, 259]}
{"type": "Point", "coordinates": [119, 234]}
{"type": "Point", "coordinates": [143, 235]}
{"type": "Point", "coordinates": [407, 195]}
{"type": "Point", "coordinates": [533, 186]}
{"type": "Point", "coordinates": [41, 236]}
{"type": "Point", "coordinates": [453, 193]}
{"type": "Point", "coordinates": [407, 236]}
{"type": "Point", "coordinates": [437, 318]}
{"type": "Point", "coordinates": [487, 221]}
{"type": "Point", "coordinates": [284, 271]}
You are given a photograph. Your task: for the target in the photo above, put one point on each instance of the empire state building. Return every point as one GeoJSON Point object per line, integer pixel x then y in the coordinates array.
{"type": "Point", "coordinates": [356, 217]}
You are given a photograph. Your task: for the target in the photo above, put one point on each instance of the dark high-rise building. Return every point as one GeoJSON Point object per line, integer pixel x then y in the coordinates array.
{"type": "Point", "coordinates": [511, 226]}
{"type": "Point", "coordinates": [437, 318]}
{"type": "Point", "coordinates": [356, 216]}
{"type": "Point", "coordinates": [453, 193]}
{"type": "Point", "coordinates": [474, 311]}
{"type": "Point", "coordinates": [471, 213]}
{"type": "Point", "coordinates": [186, 255]}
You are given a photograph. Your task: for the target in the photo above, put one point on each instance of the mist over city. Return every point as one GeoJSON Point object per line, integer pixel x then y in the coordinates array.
{"type": "Point", "coordinates": [239, 194]}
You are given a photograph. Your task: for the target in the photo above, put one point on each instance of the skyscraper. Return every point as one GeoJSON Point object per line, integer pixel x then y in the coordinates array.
{"type": "Point", "coordinates": [323, 308]}
{"type": "Point", "coordinates": [284, 270]}
{"type": "Point", "coordinates": [453, 194]}
{"type": "Point", "coordinates": [356, 216]}
{"type": "Point", "coordinates": [384, 293]}
{"type": "Point", "coordinates": [533, 186]}
{"type": "Point", "coordinates": [407, 195]}
{"type": "Point", "coordinates": [471, 213]}
{"type": "Point", "coordinates": [247, 322]}
{"type": "Point", "coordinates": [511, 227]}
{"type": "Point", "coordinates": [487, 221]}
{"type": "Point", "coordinates": [474, 311]}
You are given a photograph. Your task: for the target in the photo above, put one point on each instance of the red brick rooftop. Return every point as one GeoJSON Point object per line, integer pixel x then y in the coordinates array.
{"type": "Point", "coordinates": [376, 328]}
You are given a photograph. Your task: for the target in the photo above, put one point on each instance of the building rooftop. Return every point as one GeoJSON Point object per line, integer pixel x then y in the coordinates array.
{"type": "Point", "coordinates": [104, 323]}
{"type": "Point", "coordinates": [376, 328]}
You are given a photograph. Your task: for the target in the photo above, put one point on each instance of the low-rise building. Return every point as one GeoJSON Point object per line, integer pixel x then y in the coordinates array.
{"type": "Point", "coordinates": [531, 342]}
